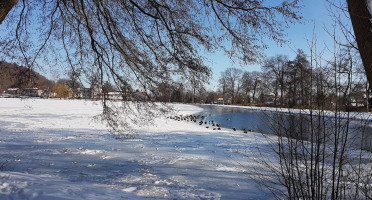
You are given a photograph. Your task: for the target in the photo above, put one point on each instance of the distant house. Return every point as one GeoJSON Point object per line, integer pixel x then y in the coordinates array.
{"type": "Point", "coordinates": [368, 100]}
{"type": "Point", "coordinates": [139, 96]}
{"type": "Point", "coordinates": [95, 92]}
{"type": "Point", "coordinates": [229, 100]}
{"type": "Point", "coordinates": [112, 95]}
{"type": "Point", "coordinates": [53, 94]}
{"type": "Point", "coordinates": [45, 91]}
{"type": "Point", "coordinates": [117, 95]}
{"type": "Point", "coordinates": [39, 91]}
{"type": "Point", "coordinates": [268, 99]}
{"type": "Point", "coordinates": [2, 93]}
{"type": "Point", "coordinates": [83, 93]}
{"type": "Point", "coordinates": [31, 92]}
{"type": "Point", "coordinates": [220, 100]}
{"type": "Point", "coordinates": [352, 101]}
{"type": "Point", "coordinates": [14, 92]}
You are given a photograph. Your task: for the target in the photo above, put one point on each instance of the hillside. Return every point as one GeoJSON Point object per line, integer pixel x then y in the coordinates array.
{"type": "Point", "coordinates": [13, 75]}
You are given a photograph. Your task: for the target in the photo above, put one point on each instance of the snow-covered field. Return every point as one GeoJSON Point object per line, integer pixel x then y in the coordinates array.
{"type": "Point", "coordinates": [53, 149]}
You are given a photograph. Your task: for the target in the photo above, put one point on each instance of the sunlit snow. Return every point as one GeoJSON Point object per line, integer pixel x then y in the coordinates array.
{"type": "Point", "coordinates": [53, 149]}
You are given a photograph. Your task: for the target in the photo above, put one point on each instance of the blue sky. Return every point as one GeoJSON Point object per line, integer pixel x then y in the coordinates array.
{"type": "Point", "coordinates": [314, 12]}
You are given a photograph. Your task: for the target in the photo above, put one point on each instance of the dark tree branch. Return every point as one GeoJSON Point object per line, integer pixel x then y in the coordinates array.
{"type": "Point", "coordinates": [5, 7]}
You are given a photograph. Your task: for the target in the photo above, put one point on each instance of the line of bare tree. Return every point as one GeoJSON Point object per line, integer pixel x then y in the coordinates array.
{"type": "Point", "coordinates": [290, 83]}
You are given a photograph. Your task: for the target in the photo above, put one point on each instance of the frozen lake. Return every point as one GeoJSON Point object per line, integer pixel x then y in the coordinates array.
{"type": "Point", "coordinates": [259, 120]}
{"type": "Point", "coordinates": [238, 118]}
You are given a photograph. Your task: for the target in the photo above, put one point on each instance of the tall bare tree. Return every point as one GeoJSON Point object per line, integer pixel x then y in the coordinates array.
{"type": "Point", "coordinates": [230, 81]}
{"type": "Point", "coordinates": [275, 67]}
{"type": "Point", "coordinates": [247, 85]}
{"type": "Point", "coordinates": [298, 81]}
{"type": "Point", "coordinates": [250, 84]}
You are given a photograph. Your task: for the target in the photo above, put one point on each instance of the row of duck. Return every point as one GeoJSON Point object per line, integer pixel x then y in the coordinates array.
{"type": "Point", "coordinates": [201, 120]}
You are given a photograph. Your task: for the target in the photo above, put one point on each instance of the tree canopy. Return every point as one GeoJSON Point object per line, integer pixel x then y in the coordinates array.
{"type": "Point", "coordinates": [142, 41]}
{"type": "Point", "coordinates": [157, 37]}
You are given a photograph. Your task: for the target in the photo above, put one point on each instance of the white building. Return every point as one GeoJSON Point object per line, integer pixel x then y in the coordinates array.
{"type": "Point", "coordinates": [220, 100]}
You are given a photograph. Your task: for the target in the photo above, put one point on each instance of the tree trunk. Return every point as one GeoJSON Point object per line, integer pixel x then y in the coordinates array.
{"type": "Point", "coordinates": [360, 19]}
{"type": "Point", "coordinates": [5, 7]}
{"type": "Point", "coordinates": [193, 95]}
{"type": "Point", "coordinates": [254, 91]}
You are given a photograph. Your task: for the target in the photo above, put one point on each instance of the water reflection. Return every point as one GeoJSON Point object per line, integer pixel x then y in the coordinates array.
{"type": "Point", "coordinates": [235, 118]}
{"type": "Point", "coordinates": [268, 122]}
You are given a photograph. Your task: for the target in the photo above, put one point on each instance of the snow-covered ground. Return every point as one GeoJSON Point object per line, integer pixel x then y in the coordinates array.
{"type": "Point", "coordinates": [53, 149]}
